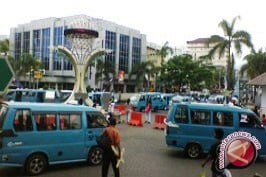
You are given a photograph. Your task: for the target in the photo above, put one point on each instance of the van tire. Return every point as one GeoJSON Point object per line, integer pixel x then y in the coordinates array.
{"type": "Point", "coordinates": [95, 156]}
{"type": "Point", "coordinates": [193, 150]}
{"type": "Point", "coordinates": [36, 164]}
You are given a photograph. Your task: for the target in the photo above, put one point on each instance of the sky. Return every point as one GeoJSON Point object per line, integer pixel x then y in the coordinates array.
{"type": "Point", "coordinates": [174, 21]}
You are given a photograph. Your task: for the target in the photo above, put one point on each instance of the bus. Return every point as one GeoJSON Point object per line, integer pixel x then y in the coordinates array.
{"type": "Point", "coordinates": [36, 135]}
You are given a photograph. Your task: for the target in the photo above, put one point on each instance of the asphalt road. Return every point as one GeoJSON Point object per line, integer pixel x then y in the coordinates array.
{"type": "Point", "coordinates": [146, 156]}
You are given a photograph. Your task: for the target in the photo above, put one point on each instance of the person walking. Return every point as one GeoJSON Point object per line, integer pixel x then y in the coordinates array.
{"type": "Point", "coordinates": [213, 154]}
{"type": "Point", "coordinates": [263, 119]}
{"type": "Point", "coordinates": [128, 109]}
{"type": "Point", "coordinates": [148, 112]}
{"type": "Point", "coordinates": [109, 155]}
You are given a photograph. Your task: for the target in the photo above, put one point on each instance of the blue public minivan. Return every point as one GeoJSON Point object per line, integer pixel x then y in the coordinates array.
{"type": "Point", "coordinates": [35, 135]}
{"type": "Point", "coordinates": [141, 101]}
{"type": "Point", "coordinates": [190, 126]}
{"type": "Point", "coordinates": [34, 95]}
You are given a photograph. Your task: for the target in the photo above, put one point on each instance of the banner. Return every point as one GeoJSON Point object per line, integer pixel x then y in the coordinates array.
{"type": "Point", "coordinates": [121, 76]}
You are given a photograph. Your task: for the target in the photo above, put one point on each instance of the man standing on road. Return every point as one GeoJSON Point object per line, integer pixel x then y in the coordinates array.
{"type": "Point", "coordinates": [109, 155]}
{"type": "Point", "coordinates": [214, 154]}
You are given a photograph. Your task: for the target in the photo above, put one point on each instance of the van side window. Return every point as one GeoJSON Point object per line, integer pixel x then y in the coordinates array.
{"type": "Point", "coordinates": [95, 120]}
{"type": "Point", "coordinates": [70, 121]}
{"type": "Point", "coordinates": [223, 118]}
{"type": "Point", "coordinates": [248, 120]}
{"type": "Point", "coordinates": [45, 121]}
{"type": "Point", "coordinates": [23, 121]}
{"type": "Point", "coordinates": [200, 117]}
{"type": "Point", "coordinates": [181, 115]}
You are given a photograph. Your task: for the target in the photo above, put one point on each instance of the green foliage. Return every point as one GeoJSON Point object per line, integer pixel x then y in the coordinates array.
{"type": "Point", "coordinates": [223, 46]}
{"type": "Point", "coordinates": [256, 64]}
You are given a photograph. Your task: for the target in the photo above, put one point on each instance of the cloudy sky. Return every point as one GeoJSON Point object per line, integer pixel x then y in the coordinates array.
{"type": "Point", "coordinates": [175, 21]}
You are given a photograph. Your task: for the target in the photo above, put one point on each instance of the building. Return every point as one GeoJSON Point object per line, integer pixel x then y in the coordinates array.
{"type": "Point", "coordinates": [40, 38]}
{"type": "Point", "coordinates": [198, 48]}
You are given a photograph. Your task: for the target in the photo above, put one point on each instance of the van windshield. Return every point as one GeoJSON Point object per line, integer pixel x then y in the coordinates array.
{"type": "Point", "coordinates": [3, 111]}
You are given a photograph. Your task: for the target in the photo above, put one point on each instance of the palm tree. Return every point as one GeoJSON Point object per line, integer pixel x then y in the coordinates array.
{"type": "Point", "coordinates": [103, 71]}
{"type": "Point", "coordinates": [164, 51]}
{"type": "Point", "coordinates": [4, 46]}
{"type": "Point", "coordinates": [256, 64]}
{"type": "Point", "coordinates": [141, 70]}
{"type": "Point", "coordinates": [223, 46]}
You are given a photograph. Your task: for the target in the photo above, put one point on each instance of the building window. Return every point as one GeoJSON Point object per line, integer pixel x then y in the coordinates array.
{"type": "Point", "coordinates": [26, 42]}
{"type": "Point", "coordinates": [45, 47]}
{"type": "Point", "coordinates": [58, 40]}
{"type": "Point", "coordinates": [136, 51]}
{"type": "Point", "coordinates": [36, 44]}
{"type": "Point", "coordinates": [123, 53]}
{"type": "Point", "coordinates": [17, 46]}
{"type": "Point", "coordinates": [110, 43]}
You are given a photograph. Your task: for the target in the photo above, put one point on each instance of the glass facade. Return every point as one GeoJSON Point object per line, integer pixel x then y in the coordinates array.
{"type": "Point", "coordinates": [58, 40]}
{"type": "Point", "coordinates": [36, 41]}
{"type": "Point", "coordinates": [45, 47]}
{"type": "Point", "coordinates": [26, 42]}
{"type": "Point", "coordinates": [40, 38]}
{"type": "Point", "coordinates": [136, 51]}
{"type": "Point", "coordinates": [67, 64]}
{"type": "Point", "coordinates": [110, 43]}
{"type": "Point", "coordinates": [17, 45]}
{"type": "Point", "coordinates": [123, 53]}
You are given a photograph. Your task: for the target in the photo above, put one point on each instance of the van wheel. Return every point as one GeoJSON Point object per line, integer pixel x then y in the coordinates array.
{"type": "Point", "coordinates": [36, 164]}
{"type": "Point", "coordinates": [95, 156]}
{"type": "Point", "coordinates": [193, 150]}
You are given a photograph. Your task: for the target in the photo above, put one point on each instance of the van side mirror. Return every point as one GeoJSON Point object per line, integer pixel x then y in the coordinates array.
{"type": "Point", "coordinates": [7, 133]}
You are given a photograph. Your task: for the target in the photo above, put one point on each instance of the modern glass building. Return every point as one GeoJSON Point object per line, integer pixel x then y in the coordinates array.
{"type": "Point", "coordinates": [40, 38]}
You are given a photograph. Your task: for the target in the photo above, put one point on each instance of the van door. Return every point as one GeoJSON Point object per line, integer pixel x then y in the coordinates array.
{"type": "Point", "coordinates": [250, 123]}
{"type": "Point", "coordinates": [71, 138]}
{"type": "Point", "coordinates": [96, 122]}
{"type": "Point", "coordinates": [18, 147]}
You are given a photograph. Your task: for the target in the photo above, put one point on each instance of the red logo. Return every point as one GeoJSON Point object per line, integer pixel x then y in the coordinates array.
{"type": "Point", "coordinates": [241, 153]}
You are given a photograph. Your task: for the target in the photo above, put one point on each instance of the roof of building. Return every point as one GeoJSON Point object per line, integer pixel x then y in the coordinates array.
{"type": "Point", "coordinates": [199, 40]}
{"type": "Point", "coordinates": [259, 80]}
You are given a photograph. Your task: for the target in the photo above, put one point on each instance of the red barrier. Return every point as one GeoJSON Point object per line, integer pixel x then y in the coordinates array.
{"type": "Point", "coordinates": [136, 119]}
{"type": "Point", "coordinates": [121, 108]}
{"type": "Point", "coordinates": [159, 121]}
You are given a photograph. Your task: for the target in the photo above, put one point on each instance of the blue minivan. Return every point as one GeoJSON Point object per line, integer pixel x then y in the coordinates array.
{"type": "Point", "coordinates": [141, 100]}
{"type": "Point", "coordinates": [190, 126]}
{"type": "Point", "coordinates": [34, 95]}
{"type": "Point", "coordinates": [35, 135]}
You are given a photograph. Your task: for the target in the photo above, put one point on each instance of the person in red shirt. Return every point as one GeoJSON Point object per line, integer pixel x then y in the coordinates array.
{"type": "Point", "coordinates": [263, 119]}
{"type": "Point", "coordinates": [109, 155]}
{"type": "Point", "coordinates": [148, 113]}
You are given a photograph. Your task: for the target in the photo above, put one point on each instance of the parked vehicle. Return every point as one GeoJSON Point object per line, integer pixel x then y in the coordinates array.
{"type": "Point", "coordinates": [189, 126]}
{"type": "Point", "coordinates": [166, 98]}
{"type": "Point", "coordinates": [33, 95]}
{"type": "Point", "coordinates": [140, 102]}
{"type": "Point", "coordinates": [35, 135]}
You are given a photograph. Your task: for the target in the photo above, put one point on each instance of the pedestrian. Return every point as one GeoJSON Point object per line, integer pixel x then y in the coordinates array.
{"type": "Point", "coordinates": [109, 155]}
{"type": "Point", "coordinates": [128, 109]}
{"type": "Point", "coordinates": [263, 119]}
{"type": "Point", "coordinates": [213, 154]}
{"type": "Point", "coordinates": [148, 112]}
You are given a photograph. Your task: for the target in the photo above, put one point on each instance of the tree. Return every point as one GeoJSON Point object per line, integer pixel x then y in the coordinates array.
{"type": "Point", "coordinates": [4, 46]}
{"type": "Point", "coordinates": [223, 46]}
{"type": "Point", "coordinates": [141, 70]}
{"type": "Point", "coordinates": [256, 64]}
{"type": "Point", "coordinates": [104, 71]}
{"type": "Point", "coordinates": [182, 71]}
{"type": "Point", "coordinates": [164, 51]}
